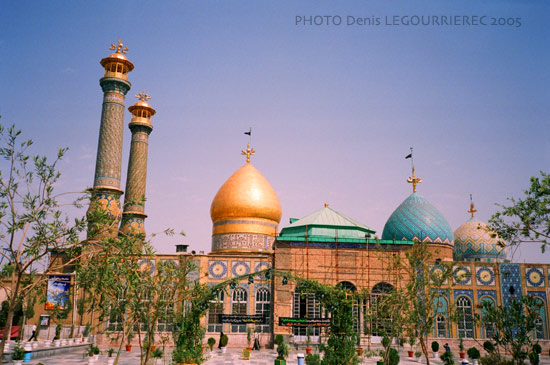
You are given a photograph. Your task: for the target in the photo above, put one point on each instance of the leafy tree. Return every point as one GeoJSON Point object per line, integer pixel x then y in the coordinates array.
{"type": "Point", "coordinates": [514, 324]}
{"type": "Point", "coordinates": [33, 228]}
{"type": "Point", "coordinates": [526, 219]}
{"type": "Point", "coordinates": [425, 283]}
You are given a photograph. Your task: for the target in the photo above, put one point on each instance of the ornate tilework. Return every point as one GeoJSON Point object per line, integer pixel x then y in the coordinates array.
{"type": "Point", "coordinates": [534, 277]}
{"type": "Point", "coordinates": [242, 241]}
{"type": "Point", "coordinates": [147, 265]}
{"type": "Point", "coordinates": [538, 294]}
{"type": "Point", "coordinates": [417, 219]}
{"type": "Point", "coordinates": [486, 293]}
{"type": "Point", "coordinates": [473, 240]}
{"type": "Point", "coordinates": [510, 282]}
{"type": "Point", "coordinates": [217, 269]}
{"type": "Point", "coordinates": [462, 275]}
{"type": "Point", "coordinates": [460, 292]}
{"type": "Point", "coordinates": [485, 275]}
{"type": "Point", "coordinates": [239, 268]}
{"type": "Point", "coordinates": [259, 286]}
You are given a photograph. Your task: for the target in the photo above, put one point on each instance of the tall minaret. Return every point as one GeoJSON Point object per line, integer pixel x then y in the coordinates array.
{"type": "Point", "coordinates": [106, 191]}
{"type": "Point", "coordinates": [134, 201]}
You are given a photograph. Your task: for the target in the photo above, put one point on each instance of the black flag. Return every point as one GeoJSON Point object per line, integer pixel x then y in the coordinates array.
{"type": "Point", "coordinates": [249, 132]}
{"type": "Point", "coordinates": [410, 155]}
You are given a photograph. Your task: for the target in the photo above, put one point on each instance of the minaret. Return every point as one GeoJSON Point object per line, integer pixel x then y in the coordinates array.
{"type": "Point", "coordinates": [106, 191]}
{"type": "Point", "coordinates": [133, 215]}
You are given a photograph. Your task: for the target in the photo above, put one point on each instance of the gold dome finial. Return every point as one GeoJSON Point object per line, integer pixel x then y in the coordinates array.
{"type": "Point", "coordinates": [143, 96]}
{"type": "Point", "coordinates": [248, 152]}
{"type": "Point", "coordinates": [120, 48]}
{"type": "Point", "coordinates": [413, 180]}
{"type": "Point", "coordinates": [326, 205]}
{"type": "Point", "coordinates": [472, 209]}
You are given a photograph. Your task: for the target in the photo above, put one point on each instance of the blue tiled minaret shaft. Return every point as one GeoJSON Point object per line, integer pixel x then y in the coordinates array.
{"type": "Point", "coordinates": [133, 215]}
{"type": "Point", "coordinates": [106, 191]}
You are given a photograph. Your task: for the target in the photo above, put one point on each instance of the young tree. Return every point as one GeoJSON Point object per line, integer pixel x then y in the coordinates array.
{"type": "Point", "coordinates": [33, 228]}
{"type": "Point", "coordinates": [526, 219]}
{"type": "Point", "coordinates": [514, 324]}
{"type": "Point", "coordinates": [425, 283]}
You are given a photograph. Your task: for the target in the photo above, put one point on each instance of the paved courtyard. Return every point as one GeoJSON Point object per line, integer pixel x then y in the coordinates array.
{"type": "Point", "coordinates": [232, 356]}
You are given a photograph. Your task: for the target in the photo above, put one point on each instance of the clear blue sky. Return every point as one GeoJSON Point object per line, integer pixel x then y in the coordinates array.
{"type": "Point", "coordinates": [334, 109]}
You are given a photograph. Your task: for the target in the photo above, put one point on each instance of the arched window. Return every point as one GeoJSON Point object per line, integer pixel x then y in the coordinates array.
{"type": "Point", "coordinates": [487, 328]}
{"type": "Point", "coordinates": [441, 311]}
{"type": "Point", "coordinates": [239, 304]}
{"type": "Point", "coordinates": [465, 317]}
{"type": "Point", "coordinates": [540, 328]}
{"type": "Point", "coordinates": [214, 310]}
{"type": "Point", "coordinates": [346, 285]}
{"type": "Point", "coordinates": [263, 307]}
{"type": "Point", "coordinates": [305, 305]}
{"type": "Point", "coordinates": [378, 323]}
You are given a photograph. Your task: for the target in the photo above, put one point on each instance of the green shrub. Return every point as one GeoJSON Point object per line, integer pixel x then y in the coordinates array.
{"type": "Point", "coordinates": [282, 351]}
{"type": "Point", "coordinates": [488, 346]}
{"type": "Point", "coordinates": [537, 348]}
{"type": "Point", "coordinates": [224, 340]}
{"type": "Point", "coordinates": [211, 342]}
{"type": "Point", "coordinates": [473, 353]}
{"type": "Point", "coordinates": [435, 346]}
{"type": "Point", "coordinates": [278, 339]}
{"type": "Point", "coordinates": [157, 354]}
{"type": "Point", "coordinates": [534, 358]}
{"type": "Point", "coordinates": [18, 353]}
{"type": "Point", "coordinates": [447, 358]}
{"type": "Point", "coordinates": [494, 359]}
{"type": "Point", "coordinates": [394, 357]}
{"type": "Point", "coordinates": [313, 359]}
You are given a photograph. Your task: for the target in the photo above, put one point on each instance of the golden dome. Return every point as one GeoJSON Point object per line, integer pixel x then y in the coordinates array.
{"type": "Point", "coordinates": [246, 194]}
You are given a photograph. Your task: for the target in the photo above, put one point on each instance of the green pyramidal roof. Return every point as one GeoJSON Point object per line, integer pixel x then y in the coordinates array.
{"type": "Point", "coordinates": [323, 224]}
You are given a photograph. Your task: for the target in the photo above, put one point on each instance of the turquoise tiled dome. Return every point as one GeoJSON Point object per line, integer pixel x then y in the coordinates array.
{"type": "Point", "coordinates": [417, 219]}
{"type": "Point", "coordinates": [473, 241]}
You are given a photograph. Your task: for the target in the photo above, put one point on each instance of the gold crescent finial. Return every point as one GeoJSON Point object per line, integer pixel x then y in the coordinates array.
{"type": "Point", "coordinates": [472, 209]}
{"type": "Point", "coordinates": [120, 48]}
{"type": "Point", "coordinates": [143, 96]}
{"type": "Point", "coordinates": [248, 152]}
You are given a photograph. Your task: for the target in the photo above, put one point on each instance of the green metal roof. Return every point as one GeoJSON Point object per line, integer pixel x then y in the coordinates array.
{"type": "Point", "coordinates": [326, 223]}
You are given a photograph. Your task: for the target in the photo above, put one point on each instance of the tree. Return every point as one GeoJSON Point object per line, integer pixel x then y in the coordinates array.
{"type": "Point", "coordinates": [33, 228]}
{"type": "Point", "coordinates": [425, 284]}
{"type": "Point", "coordinates": [526, 219]}
{"type": "Point", "coordinates": [513, 324]}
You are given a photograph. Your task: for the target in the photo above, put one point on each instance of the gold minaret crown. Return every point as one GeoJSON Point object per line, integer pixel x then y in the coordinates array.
{"type": "Point", "coordinates": [248, 152]}
{"type": "Point", "coordinates": [472, 209]}
{"type": "Point", "coordinates": [143, 96]}
{"type": "Point", "coordinates": [120, 48]}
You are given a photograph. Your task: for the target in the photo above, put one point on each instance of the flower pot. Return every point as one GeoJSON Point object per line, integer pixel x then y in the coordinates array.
{"type": "Point", "coordinates": [462, 355]}
{"type": "Point", "coordinates": [18, 362]}
{"type": "Point", "coordinates": [91, 360]}
{"type": "Point", "coordinates": [47, 343]}
{"type": "Point", "coordinates": [35, 344]}
{"type": "Point", "coordinates": [474, 361]}
{"type": "Point", "coordinates": [359, 351]}
{"type": "Point", "coordinates": [27, 346]}
{"type": "Point", "coordinates": [110, 361]}
{"type": "Point", "coordinates": [280, 362]}
{"type": "Point", "coordinates": [246, 354]}
{"type": "Point", "coordinates": [411, 353]}
{"type": "Point", "coordinates": [308, 350]}
{"type": "Point", "coordinates": [57, 343]}
{"type": "Point", "coordinates": [436, 355]}
{"type": "Point", "coordinates": [128, 347]}
{"type": "Point", "coordinates": [78, 340]}
{"type": "Point", "coordinates": [223, 349]}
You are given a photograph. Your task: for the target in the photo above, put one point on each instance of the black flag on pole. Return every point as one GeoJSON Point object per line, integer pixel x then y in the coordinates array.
{"type": "Point", "coordinates": [249, 132]}
{"type": "Point", "coordinates": [410, 155]}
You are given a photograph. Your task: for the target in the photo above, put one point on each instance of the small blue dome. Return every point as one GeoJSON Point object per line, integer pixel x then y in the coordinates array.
{"type": "Point", "coordinates": [474, 241]}
{"type": "Point", "coordinates": [417, 219]}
